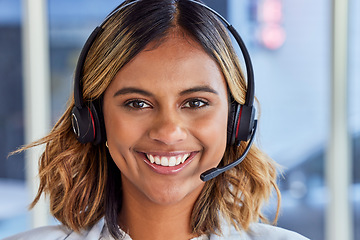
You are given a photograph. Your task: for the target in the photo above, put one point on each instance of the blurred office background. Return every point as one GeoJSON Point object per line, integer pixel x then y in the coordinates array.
{"type": "Point", "coordinates": [291, 47]}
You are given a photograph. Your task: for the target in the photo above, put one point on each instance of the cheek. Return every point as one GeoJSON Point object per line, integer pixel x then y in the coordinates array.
{"type": "Point", "coordinates": [121, 129]}
{"type": "Point", "coordinates": [212, 133]}
{"type": "Point", "coordinates": [115, 128]}
{"type": "Point", "coordinates": [121, 134]}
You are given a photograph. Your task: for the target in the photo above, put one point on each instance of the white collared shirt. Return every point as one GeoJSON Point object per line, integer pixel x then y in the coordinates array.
{"type": "Point", "coordinates": [99, 231]}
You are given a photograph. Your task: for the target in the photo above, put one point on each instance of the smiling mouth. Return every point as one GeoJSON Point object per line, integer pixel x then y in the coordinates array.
{"type": "Point", "coordinates": [167, 161]}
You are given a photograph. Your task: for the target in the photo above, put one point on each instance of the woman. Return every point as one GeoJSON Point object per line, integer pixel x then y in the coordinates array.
{"type": "Point", "coordinates": [153, 99]}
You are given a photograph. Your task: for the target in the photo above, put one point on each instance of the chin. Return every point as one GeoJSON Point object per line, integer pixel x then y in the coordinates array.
{"type": "Point", "coordinates": [174, 193]}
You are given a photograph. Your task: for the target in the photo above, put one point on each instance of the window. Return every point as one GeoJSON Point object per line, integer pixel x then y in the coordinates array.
{"type": "Point", "coordinates": [293, 81]}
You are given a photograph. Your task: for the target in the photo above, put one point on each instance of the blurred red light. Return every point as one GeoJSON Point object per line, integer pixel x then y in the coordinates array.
{"type": "Point", "coordinates": [272, 36]}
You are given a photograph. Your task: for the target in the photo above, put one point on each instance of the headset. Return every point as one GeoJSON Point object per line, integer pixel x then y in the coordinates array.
{"type": "Point", "coordinates": [87, 122]}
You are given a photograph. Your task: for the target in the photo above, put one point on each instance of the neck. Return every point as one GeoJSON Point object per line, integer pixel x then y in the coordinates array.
{"type": "Point", "coordinates": [144, 219]}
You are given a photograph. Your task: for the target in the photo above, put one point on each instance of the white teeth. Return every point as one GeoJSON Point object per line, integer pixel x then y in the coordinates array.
{"type": "Point", "coordinates": [172, 161]}
{"type": "Point", "coordinates": [167, 161]}
{"type": "Point", "coordinates": [178, 160]}
{"type": "Point", "coordinates": [151, 158]}
{"type": "Point", "coordinates": [164, 161]}
{"type": "Point", "coordinates": [157, 160]}
{"type": "Point", "coordinates": [185, 157]}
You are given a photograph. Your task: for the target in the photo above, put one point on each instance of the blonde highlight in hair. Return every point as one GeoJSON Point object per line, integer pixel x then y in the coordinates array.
{"type": "Point", "coordinates": [77, 177]}
{"type": "Point", "coordinates": [238, 194]}
{"type": "Point", "coordinates": [72, 175]}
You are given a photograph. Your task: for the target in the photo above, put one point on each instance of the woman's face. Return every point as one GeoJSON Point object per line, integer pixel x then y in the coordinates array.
{"type": "Point", "coordinates": [166, 119]}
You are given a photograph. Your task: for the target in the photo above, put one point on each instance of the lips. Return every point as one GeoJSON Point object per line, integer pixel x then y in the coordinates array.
{"type": "Point", "coordinates": [168, 163]}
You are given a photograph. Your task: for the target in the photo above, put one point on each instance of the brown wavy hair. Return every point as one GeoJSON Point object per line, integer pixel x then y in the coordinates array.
{"type": "Point", "coordinates": [83, 182]}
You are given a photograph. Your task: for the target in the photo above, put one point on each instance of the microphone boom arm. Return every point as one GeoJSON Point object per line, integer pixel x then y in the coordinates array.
{"type": "Point", "coordinates": [214, 172]}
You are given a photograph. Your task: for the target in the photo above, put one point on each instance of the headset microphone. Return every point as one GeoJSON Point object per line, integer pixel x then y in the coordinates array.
{"type": "Point", "coordinates": [214, 172]}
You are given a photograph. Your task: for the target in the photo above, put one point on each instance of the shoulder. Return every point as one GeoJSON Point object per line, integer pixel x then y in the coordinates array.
{"type": "Point", "coordinates": [60, 232]}
{"type": "Point", "coordinates": [48, 232]}
{"type": "Point", "coordinates": [258, 231]}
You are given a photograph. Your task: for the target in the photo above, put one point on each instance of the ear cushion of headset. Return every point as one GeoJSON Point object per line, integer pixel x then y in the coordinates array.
{"type": "Point", "coordinates": [99, 135]}
{"type": "Point", "coordinates": [83, 124]}
{"type": "Point", "coordinates": [246, 124]}
{"type": "Point", "coordinates": [233, 117]}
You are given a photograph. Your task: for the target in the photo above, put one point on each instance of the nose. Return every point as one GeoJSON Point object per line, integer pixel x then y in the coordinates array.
{"type": "Point", "coordinates": [168, 128]}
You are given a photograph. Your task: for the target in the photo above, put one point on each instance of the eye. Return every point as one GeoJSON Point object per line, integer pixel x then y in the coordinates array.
{"type": "Point", "coordinates": [137, 104]}
{"type": "Point", "coordinates": [195, 103]}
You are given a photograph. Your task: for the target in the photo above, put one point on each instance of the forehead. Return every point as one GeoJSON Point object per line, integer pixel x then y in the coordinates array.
{"type": "Point", "coordinates": [176, 44]}
{"type": "Point", "coordinates": [177, 60]}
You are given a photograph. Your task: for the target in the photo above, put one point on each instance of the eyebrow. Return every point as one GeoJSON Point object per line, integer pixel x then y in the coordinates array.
{"type": "Point", "coordinates": [129, 90]}
{"type": "Point", "coordinates": [199, 89]}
